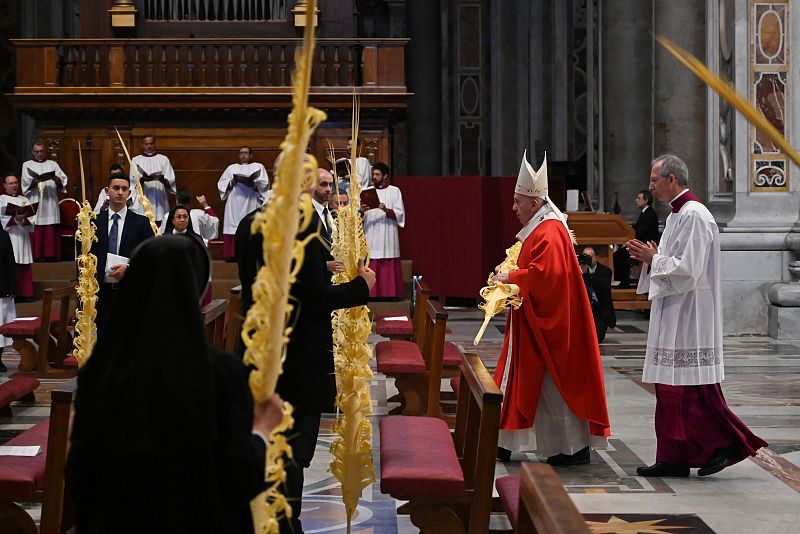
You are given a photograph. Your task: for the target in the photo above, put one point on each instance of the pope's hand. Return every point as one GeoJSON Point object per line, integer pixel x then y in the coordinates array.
{"type": "Point", "coordinates": [501, 278]}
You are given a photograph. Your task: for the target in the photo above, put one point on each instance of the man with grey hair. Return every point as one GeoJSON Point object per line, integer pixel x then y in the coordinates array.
{"type": "Point", "coordinates": [694, 425]}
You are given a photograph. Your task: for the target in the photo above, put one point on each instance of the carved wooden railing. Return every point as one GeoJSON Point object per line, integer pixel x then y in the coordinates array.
{"type": "Point", "coordinates": [204, 65]}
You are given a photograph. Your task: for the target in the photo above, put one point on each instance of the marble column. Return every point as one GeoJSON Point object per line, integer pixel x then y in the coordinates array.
{"type": "Point", "coordinates": [679, 97]}
{"type": "Point", "coordinates": [424, 69]}
{"type": "Point", "coordinates": [626, 58]}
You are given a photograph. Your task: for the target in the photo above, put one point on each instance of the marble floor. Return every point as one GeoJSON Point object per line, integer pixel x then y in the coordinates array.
{"type": "Point", "coordinates": [759, 495]}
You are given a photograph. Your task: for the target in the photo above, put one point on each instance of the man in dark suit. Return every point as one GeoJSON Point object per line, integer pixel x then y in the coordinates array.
{"type": "Point", "coordinates": [597, 278]}
{"type": "Point", "coordinates": [119, 231]}
{"type": "Point", "coordinates": [646, 228]}
{"type": "Point", "coordinates": [308, 380]}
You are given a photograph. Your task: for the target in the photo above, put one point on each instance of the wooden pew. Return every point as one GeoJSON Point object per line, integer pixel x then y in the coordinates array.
{"type": "Point", "coordinates": [39, 478]}
{"type": "Point", "coordinates": [405, 330]}
{"type": "Point", "coordinates": [214, 321]}
{"type": "Point", "coordinates": [19, 388]}
{"type": "Point", "coordinates": [536, 502]}
{"type": "Point", "coordinates": [417, 366]}
{"type": "Point", "coordinates": [50, 334]}
{"type": "Point", "coordinates": [234, 320]}
{"type": "Point", "coordinates": [446, 478]}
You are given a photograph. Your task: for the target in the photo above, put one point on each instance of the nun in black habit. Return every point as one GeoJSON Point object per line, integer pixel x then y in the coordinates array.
{"type": "Point", "coordinates": [161, 440]}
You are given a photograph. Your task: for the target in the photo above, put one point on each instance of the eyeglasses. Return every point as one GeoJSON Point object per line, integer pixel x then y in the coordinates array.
{"type": "Point", "coordinates": [179, 217]}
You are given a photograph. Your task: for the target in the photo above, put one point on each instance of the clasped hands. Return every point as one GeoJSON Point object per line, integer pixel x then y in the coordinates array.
{"type": "Point", "coordinates": [640, 251]}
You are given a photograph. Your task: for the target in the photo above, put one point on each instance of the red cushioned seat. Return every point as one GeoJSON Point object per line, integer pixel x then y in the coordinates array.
{"type": "Point", "coordinates": [7, 394]}
{"type": "Point", "coordinates": [508, 490]}
{"type": "Point", "coordinates": [25, 328]}
{"type": "Point", "coordinates": [451, 355]}
{"type": "Point", "coordinates": [23, 385]}
{"type": "Point", "coordinates": [418, 458]}
{"type": "Point", "coordinates": [399, 357]}
{"type": "Point", "coordinates": [70, 362]}
{"type": "Point", "coordinates": [394, 328]}
{"type": "Point", "coordinates": [454, 383]}
{"type": "Point", "coordinates": [21, 477]}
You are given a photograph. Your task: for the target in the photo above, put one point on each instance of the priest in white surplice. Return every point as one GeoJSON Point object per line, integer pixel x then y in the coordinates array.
{"type": "Point", "coordinates": [694, 425]}
{"type": "Point", "coordinates": [42, 179]}
{"type": "Point", "coordinates": [243, 186]}
{"type": "Point", "coordinates": [381, 226]}
{"type": "Point", "coordinates": [157, 177]}
{"type": "Point", "coordinates": [19, 228]}
{"type": "Point", "coordinates": [363, 169]}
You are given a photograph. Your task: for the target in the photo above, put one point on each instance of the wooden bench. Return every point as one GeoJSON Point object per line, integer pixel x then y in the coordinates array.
{"type": "Point", "coordinates": [234, 320]}
{"type": "Point", "coordinates": [627, 299]}
{"type": "Point", "coordinates": [405, 329]}
{"type": "Point", "coordinates": [416, 366]}
{"type": "Point", "coordinates": [446, 478]}
{"type": "Point", "coordinates": [38, 478]}
{"type": "Point", "coordinates": [214, 321]}
{"type": "Point", "coordinates": [536, 502]}
{"type": "Point", "coordinates": [52, 338]}
{"type": "Point", "coordinates": [19, 388]}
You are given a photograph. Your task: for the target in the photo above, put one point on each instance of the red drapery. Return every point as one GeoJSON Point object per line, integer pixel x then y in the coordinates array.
{"type": "Point", "coordinates": [457, 229]}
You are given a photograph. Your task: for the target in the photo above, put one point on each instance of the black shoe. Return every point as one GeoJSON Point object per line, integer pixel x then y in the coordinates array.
{"type": "Point", "coordinates": [3, 368]}
{"type": "Point", "coordinates": [504, 455]}
{"type": "Point", "coordinates": [663, 469]}
{"type": "Point", "coordinates": [562, 460]}
{"type": "Point", "coordinates": [722, 458]}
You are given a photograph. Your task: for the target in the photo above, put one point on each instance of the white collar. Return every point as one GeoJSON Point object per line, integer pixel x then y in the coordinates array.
{"type": "Point", "coordinates": [644, 209]}
{"type": "Point", "coordinates": [538, 217]}
{"type": "Point", "coordinates": [174, 231]}
{"type": "Point", "coordinates": [319, 207]}
{"type": "Point", "coordinates": [592, 268]}
{"type": "Point", "coordinates": [122, 213]}
{"type": "Point", "coordinates": [679, 194]}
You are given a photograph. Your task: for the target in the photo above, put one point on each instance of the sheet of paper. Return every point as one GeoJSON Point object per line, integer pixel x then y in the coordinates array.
{"type": "Point", "coordinates": [10, 450]}
{"type": "Point", "coordinates": [397, 318]}
{"type": "Point", "coordinates": [112, 260]}
{"type": "Point", "coordinates": [26, 318]}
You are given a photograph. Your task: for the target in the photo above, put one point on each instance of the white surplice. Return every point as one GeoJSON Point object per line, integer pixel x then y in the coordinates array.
{"type": "Point", "coordinates": [382, 233]}
{"type": "Point", "coordinates": [47, 212]}
{"type": "Point", "coordinates": [240, 199]}
{"type": "Point", "coordinates": [684, 341]}
{"type": "Point", "coordinates": [154, 190]}
{"type": "Point", "coordinates": [204, 224]}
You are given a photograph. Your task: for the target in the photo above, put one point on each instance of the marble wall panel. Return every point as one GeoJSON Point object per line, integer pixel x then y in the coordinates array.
{"type": "Point", "coordinates": [752, 265]}
{"type": "Point", "coordinates": [744, 307]}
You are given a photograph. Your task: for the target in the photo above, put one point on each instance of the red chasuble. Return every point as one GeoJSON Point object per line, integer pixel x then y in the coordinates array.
{"type": "Point", "coordinates": [553, 330]}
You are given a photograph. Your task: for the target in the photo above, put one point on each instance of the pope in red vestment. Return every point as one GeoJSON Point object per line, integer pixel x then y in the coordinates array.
{"type": "Point", "coordinates": [550, 348]}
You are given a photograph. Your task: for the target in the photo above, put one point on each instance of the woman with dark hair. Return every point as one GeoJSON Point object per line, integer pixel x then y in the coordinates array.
{"type": "Point", "coordinates": [179, 222]}
{"type": "Point", "coordinates": [164, 437]}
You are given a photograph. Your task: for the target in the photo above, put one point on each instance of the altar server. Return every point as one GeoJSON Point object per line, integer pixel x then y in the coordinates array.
{"type": "Point", "coordinates": [243, 186]}
{"type": "Point", "coordinates": [157, 177]}
{"type": "Point", "coordinates": [19, 226]}
{"type": "Point", "coordinates": [42, 179]}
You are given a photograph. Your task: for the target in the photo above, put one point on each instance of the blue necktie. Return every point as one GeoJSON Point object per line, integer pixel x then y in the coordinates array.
{"type": "Point", "coordinates": [112, 235]}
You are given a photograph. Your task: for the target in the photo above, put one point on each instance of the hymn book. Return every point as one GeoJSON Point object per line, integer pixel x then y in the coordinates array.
{"type": "Point", "coordinates": [150, 177]}
{"type": "Point", "coordinates": [42, 177]}
{"type": "Point", "coordinates": [342, 167]}
{"type": "Point", "coordinates": [25, 211]}
{"type": "Point", "coordinates": [370, 199]}
{"type": "Point", "coordinates": [249, 181]}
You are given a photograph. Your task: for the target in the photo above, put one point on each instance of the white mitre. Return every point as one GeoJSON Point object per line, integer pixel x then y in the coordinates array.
{"type": "Point", "coordinates": [529, 182]}
{"type": "Point", "coordinates": [532, 183]}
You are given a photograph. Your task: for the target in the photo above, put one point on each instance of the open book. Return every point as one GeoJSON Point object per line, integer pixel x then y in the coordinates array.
{"type": "Point", "coordinates": [150, 177]}
{"type": "Point", "coordinates": [21, 211]}
{"type": "Point", "coordinates": [342, 167]}
{"type": "Point", "coordinates": [249, 181]}
{"type": "Point", "coordinates": [45, 176]}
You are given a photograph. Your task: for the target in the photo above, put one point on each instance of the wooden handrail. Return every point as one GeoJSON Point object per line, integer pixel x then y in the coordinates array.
{"type": "Point", "coordinates": [139, 65]}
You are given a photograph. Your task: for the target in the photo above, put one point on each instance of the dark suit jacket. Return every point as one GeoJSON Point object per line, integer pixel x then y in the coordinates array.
{"type": "Point", "coordinates": [8, 266]}
{"type": "Point", "coordinates": [600, 282]}
{"type": "Point", "coordinates": [308, 380]}
{"type": "Point", "coordinates": [646, 226]}
{"type": "Point", "coordinates": [135, 231]}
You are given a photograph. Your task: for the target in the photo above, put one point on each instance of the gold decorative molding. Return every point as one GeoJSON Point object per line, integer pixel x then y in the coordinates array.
{"type": "Point", "coordinates": [299, 12]}
{"type": "Point", "coordinates": [123, 14]}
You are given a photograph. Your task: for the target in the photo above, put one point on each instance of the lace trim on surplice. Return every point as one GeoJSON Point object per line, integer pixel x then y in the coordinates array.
{"type": "Point", "coordinates": [703, 357]}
